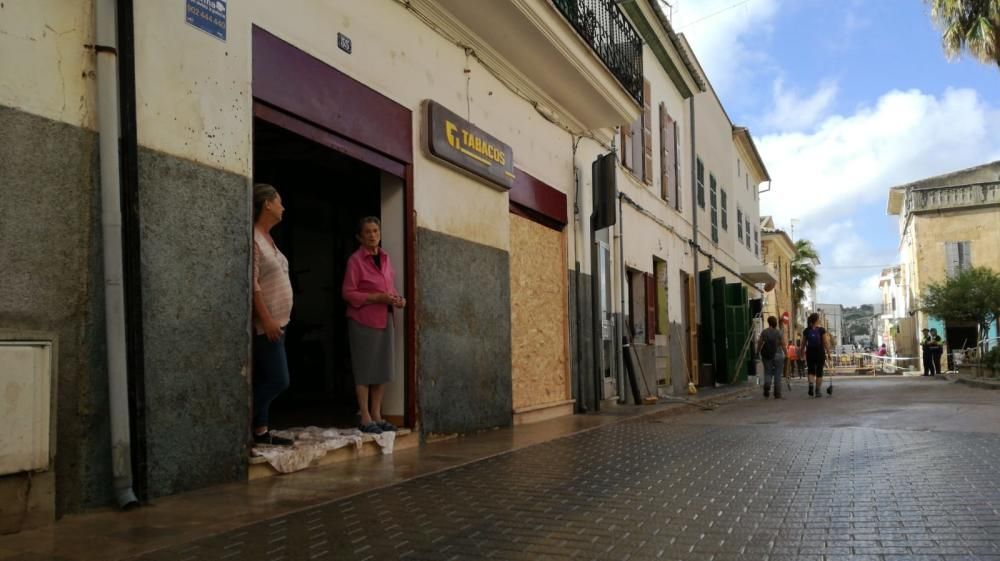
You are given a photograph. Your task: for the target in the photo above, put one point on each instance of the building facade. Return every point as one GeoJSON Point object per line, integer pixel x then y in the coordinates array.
{"type": "Point", "coordinates": [947, 223]}
{"type": "Point", "coordinates": [475, 151]}
{"type": "Point", "coordinates": [779, 253]}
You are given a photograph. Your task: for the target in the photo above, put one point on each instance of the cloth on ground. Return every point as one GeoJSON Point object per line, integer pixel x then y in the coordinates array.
{"type": "Point", "coordinates": [312, 443]}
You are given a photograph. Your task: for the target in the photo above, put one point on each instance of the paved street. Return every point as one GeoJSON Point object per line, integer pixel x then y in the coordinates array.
{"type": "Point", "coordinates": [885, 469]}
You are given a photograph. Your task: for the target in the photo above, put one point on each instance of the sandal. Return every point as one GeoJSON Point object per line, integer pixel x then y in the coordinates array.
{"type": "Point", "coordinates": [268, 438]}
{"type": "Point", "coordinates": [386, 426]}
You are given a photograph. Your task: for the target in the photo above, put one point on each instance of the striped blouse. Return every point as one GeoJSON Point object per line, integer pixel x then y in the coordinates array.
{"type": "Point", "coordinates": [270, 278]}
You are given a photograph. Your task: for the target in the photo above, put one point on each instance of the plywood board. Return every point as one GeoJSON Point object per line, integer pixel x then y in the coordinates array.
{"type": "Point", "coordinates": [539, 314]}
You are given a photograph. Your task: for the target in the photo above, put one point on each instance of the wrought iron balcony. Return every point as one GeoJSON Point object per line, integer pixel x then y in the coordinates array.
{"type": "Point", "coordinates": [603, 26]}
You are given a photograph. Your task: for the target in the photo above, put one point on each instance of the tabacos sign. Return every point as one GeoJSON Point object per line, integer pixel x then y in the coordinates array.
{"type": "Point", "coordinates": [462, 144]}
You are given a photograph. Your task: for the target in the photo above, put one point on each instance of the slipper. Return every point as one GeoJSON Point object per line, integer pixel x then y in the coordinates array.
{"type": "Point", "coordinates": [370, 428]}
{"type": "Point", "coordinates": [386, 426]}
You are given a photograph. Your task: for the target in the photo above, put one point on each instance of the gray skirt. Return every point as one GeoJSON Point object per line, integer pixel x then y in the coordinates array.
{"type": "Point", "coordinates": [372, 353]}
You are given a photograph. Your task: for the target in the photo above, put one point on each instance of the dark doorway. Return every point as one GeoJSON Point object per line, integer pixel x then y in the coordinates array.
{"type": "Point", "coordinates": [324, 193]}
{"type": "Point", "coordinates": [959, 336]}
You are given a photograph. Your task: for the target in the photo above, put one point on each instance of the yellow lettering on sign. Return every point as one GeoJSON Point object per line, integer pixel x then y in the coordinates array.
{"type": "Point", "coordinates": [449, 132]}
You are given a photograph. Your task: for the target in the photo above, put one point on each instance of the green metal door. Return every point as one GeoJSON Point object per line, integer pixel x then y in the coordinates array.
{"type": "Point", "coordinates": [721, 330]}
{"type": "Point", "coordinates": [706, 329]}
{"type": "Point", "coordinates": [737, 330]}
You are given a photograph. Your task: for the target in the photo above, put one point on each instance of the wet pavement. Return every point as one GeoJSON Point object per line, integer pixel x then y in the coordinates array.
{"type": "Point", "coordinates": [884, 469]}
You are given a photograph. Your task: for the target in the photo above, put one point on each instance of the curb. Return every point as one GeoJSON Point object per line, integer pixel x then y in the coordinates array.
{"type": "Point", "coordinates": [981, 384]}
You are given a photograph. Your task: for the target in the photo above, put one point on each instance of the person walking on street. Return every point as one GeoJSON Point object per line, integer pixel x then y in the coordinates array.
{"type": "Point", "coordinates": [816, 349]}
{"type": "Point", "coordinates": [925, 352]}
{"type": "Point", "coordinates": [793, 359]}
{"type": "Point", "coordinates": [272, 308]}
{"type": "Point", "coordinates": [771, 348]}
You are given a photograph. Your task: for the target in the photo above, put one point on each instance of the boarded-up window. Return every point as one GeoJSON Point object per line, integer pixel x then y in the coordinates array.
{"type": "Point", "coordinates": [957, 257]}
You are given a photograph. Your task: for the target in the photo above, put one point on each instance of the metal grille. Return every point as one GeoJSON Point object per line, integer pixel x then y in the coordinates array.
{"type": "Point", "coordinates": [611, 36]}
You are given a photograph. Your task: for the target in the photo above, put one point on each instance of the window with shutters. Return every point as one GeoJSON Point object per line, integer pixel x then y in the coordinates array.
{"type": "Point", "coordinates": [725, 210]}
{"type": "Point", "coordinates": [957, 257]}
{"type": "Point", "coordinates": [713, 207]}
{"type": "Point", "coordinates": [746, 223]}
{"type": "Point", "coordinates": [668, 157]}
{"type": "Point", "coordinates": [756, 243]}
{"type": "Point", "coordinates": [637, 141]}
{"type": "Point", "coordinates": [700, 180]}
{"type": "Point", "coordinates": [739, 224]}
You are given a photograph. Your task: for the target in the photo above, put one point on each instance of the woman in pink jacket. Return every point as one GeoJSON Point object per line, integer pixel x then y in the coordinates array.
{"type": "Point", "coordinates": [369, 289]}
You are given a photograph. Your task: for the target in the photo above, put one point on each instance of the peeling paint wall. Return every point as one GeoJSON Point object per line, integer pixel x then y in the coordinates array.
{"type": "Point", "coordinates": [539, 315]}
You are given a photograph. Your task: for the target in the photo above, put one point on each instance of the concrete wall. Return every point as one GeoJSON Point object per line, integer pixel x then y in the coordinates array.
{"type": "Point", "coordinates": [195, 240]}
{"type": "Point", "coordinates": [463, 337]}
{"type": "Point", "coordinates": [52, 282]}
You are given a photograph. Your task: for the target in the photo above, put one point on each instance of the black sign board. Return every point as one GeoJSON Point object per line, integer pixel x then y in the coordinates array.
{"type": "Point", "coordinates": [460, 143]}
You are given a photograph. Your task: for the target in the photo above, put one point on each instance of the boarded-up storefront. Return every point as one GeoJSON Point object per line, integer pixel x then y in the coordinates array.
{"type": "Point", "coordinates": [539, 310]}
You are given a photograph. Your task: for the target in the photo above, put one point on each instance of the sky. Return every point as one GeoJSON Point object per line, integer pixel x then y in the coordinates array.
{"type": "Point", "coordinates": [844, 99]}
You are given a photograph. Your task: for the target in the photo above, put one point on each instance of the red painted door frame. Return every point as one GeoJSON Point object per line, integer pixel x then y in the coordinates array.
{"type": "Point", "coordinates": [336, 111]}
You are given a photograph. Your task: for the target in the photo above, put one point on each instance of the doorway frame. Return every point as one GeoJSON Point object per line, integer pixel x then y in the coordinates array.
{"type": "Point", "coordinates": [336, 111]}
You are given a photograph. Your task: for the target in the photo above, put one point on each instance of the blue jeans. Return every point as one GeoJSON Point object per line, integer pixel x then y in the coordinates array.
{"type": "Point", "coordinates": [772, 370]}
{"type": "Point", "coordinates": [270, 375]}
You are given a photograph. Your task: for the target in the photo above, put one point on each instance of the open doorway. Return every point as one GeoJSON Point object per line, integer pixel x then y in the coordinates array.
{"type": "Point", "coordinates": [325, 193]}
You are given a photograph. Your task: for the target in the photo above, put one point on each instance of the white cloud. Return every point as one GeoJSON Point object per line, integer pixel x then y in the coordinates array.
{"type": "Point", "coordinates": [726, 37]}
{"type": "Point", "coordinates": [852, 161]}
{"type": "Point", "coordinates": [835, 179]}
{"type": "Point", "coordinates": [793, 112]}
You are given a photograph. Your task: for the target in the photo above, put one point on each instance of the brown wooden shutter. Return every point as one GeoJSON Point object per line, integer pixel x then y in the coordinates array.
{"type": "Point", "coordinates": [647, 134]}
{"type": "Point", "coordinates": [664, 154]}
{"type": "Point", "coordinates": [650, 307]}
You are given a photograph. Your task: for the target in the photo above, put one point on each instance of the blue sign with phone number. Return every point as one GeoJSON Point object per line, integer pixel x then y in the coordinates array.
{"type": "Point", "coordinates": [208, 16]}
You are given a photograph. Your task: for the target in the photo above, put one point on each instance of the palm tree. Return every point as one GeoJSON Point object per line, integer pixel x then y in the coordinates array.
{"type": "Point", "coordinates": [804, 273]}
{"type": "Point", "coordinates": [970, 24]}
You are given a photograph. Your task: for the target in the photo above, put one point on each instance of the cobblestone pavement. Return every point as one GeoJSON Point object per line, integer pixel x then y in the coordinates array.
{"type": "Point", "coordinates": [673, 488]}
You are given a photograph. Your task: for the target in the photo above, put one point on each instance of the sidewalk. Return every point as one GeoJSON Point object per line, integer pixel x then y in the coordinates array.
{"type": "Point", "coordinates": [107, 535]}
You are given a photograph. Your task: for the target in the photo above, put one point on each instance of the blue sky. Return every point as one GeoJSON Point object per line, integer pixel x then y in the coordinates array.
{"type": "Point", "coordinates": [845, 99]}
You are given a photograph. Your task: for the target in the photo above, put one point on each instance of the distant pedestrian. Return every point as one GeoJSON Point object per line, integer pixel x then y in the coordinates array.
{"type": "Point", "coordinates": [771, 348]}
{"type": "Point", "coordinates": [802, 358]}
{"type": "Point", "coordinates": [272, 308]}
{"type": "Point", "coordinates": [792, 354]}
{"type": "Point", "coordinates": [882, 351]}
{"type": "Point", "coordinates": [816, 348]}
{"type": "Point", "coordinates": [925, 352]}
{"type": "Point", "coordinates": [937, 350]}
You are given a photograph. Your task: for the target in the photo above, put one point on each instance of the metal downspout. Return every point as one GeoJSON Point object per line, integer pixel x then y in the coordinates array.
{"type": "Point", "coordinates": [620, 325]}
{"type": "Point", "coordinates": [111, 220]}
{"type": "Point", "coordinates": [696, 279]}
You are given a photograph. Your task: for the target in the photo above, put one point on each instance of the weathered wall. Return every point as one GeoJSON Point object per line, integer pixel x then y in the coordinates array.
{"type": "Point", "coordinates": [538, 302]}
{"type": "Point", "coordinates": [196, 300]}
{"type": "Point", "coordinates": [463, 337]}
{"type": "Point", "coordinates": [49, 224]}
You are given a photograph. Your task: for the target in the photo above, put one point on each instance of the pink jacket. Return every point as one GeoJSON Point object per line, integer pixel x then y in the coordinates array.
{"type": "Point", "coordinates": [363, 278]}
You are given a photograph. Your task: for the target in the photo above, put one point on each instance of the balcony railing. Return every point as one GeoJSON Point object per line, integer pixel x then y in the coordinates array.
{"type": "Point", "coordinates": [611, 36]}
{"type": "Point", "coordinates": [941, 198]}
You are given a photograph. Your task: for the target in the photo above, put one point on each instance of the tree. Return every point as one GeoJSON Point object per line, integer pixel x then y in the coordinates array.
{"type": "Point", "coordinates": [804, 273]}
{"type": "Point", "coordinates": [972, 25]}
{"type": "Point", "coordinates": [971, 295]}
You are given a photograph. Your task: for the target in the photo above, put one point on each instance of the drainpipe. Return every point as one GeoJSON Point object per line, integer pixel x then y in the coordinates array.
{"type": "Point", "coordinates": [694, 229]}
{"type": "Point", "coordinates": [114, 294]}
{"type": "Point", "coordinates": [620, 331]}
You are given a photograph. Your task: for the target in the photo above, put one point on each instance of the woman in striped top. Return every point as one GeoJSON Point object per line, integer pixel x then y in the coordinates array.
{"type": "Point", "coordinates": [272, 308]}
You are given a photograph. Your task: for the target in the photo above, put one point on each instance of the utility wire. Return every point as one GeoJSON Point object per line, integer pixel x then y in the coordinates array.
{"type": "Point", "coordinates": [713, 14]}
